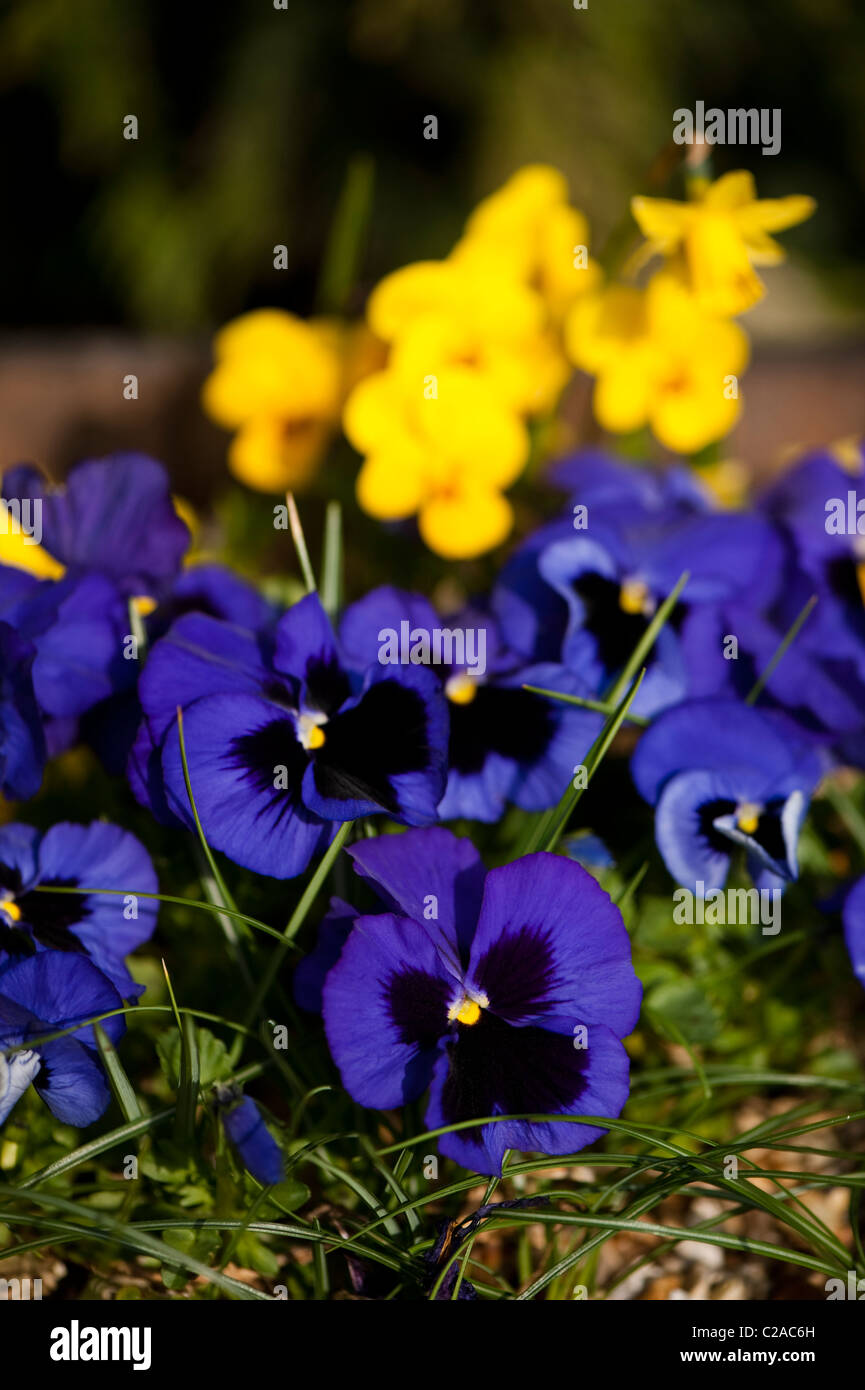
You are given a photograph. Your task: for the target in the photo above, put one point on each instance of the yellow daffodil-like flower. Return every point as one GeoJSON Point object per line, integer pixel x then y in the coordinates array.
{"type": "Point", "coordinates": [659, 360]}
{"type": "Point", "coordinates": [442, 314]}
{"type": "Point", "coordinates": [720, 236]}
{"type": "Point", "coordinates": [445, 457]}
{"type": "Point", "coordinates": [527, 229]}
{"type": "Point", "coordinates": [277, 383]}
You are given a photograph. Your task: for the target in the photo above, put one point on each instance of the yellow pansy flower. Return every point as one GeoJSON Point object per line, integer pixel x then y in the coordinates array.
{"type": "Point", "coordinates": [659, 360]}
{"type": "Point", "coordinates": [527, 228]}
{"type": "Point", "coordinates": [438, 314]}
{"type": "Point", "coordinates": [18, 550]}
{"type": "Point", "coordinates": [445, 457]}
{"type": "Point", "coordinates": [720, 236]}
{"type": "Point", "coordinates": [276, 383]}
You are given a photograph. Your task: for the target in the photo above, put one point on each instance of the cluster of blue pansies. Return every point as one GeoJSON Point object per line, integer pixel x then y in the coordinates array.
{"type": "Point", "coordinates": [62, 957]}
{"type": "Point", "coordinates": [505, 993]}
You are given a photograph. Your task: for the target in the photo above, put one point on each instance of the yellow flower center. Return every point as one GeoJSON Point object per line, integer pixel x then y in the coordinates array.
{"type": "Point", "coordinates": [461, 689]}
{"type": "Point", "coordinates": [860, 580]}
{"type": "Point", "coordinates": [315, 737]}
{"type": "Point", "coordinates": [143, 605]}
{"type": "Point", "coordinates": [748, 817]}
{"type": "Point", "coordinates": [634, 597]}
{"type": "Point", "coordinates": [466, 1010]}
{"type": "Point", "coordinates": [12, 910]}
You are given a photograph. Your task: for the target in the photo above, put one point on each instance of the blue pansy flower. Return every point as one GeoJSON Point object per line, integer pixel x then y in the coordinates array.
{"type": "Point", "coordinates": [505, 743]}
{"type": "Point", "coordinates": [43, 994]}
{"type": "Point", "coordinates": [821, 680]}
{"type": "Point", "coordinates": [110, 727]}
{"type": "Point", "coordinates": [284, 740]}
{"type": "Point", "coordinates": [244, 1124]}
{"type": "Point", "coordinates": [112, 516]}
{"type": "Point", "coordinates": [22, 739]}
{"type": "Point", "coordinates": [723, 776]}
{"type": "Point", "coordinates": [105, 927]}
{"type": "Point", "coordinates": [108, 537]}
{"type": "Point", "coordinates": [503, 993]}
{"type": "Point", "coordinates": [587, 597]}
{"type": "Point", "coordinates": [853, 915]}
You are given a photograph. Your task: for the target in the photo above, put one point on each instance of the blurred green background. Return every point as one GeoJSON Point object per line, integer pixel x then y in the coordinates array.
{"type": "Point", "coordinates": [249, 117]}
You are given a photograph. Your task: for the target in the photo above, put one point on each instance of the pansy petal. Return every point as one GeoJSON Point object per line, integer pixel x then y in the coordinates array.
{"type": "Point", "coordinates": [16, 1073]}
{"type": "Point", "coordinates": [109, 925]}
{"type": "Point", "coordinates": [311, 973]}
{"type": "Point", "coordinates": [259, 1151]}
{"type": "Point", "coordinates": [57, 990]}
{"type": "Point", "coordinates": [717, 733]}
{"type": "Point", "coordinates": [550, 941]}
{"type": "Point", "coordinates": [306, 646]}
{"type": "Point", "coordinates": [199, 656]}
{"type": "Point", "coordinates": [87, 524]}
{"type": "Point", "coordinates": [385, 1008]}
{"type": "Point", "coordinates": [72, 1082]}
{"type": "Point", "coordinates": [385, 750]}
{"type": "Point", "coordinates": [79, 657]}
{"type": "Point", "coordinates": [19, 845]}
{"type": "Point", "coordinates": [384, 608]}
{"type": "Point", "coordinates": [22, 738]}
{"type": "Point", "coordinates": [420, 865]}
{"type": "Point", "coordinates": [245, 769]}
{"type": "Point", "coordinates": [494, 1069]}
{"type": "Point", "coordinates": [854, 927]}
{"type": "Point", "coordinates": [693, 850]}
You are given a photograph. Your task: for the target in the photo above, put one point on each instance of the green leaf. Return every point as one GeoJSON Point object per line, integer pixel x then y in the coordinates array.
{"type": "Point", "coordinates": [213, 1062]}
{"type": "Point", "coordinates": [252, 1253]}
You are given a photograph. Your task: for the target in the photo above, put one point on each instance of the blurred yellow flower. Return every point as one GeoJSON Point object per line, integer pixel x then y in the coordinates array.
{"type": "Point", "coordinates": [277, 383]}
{"type": "Point", "coordinates": [17, 548]}
{"type": "Point", "coordinates": [439, 314]}
{"type": "Point", "coordinates": [474, 350]}
{"type": "Point", "coordinates": [659, 360]}
{"type": "Point", "coordinates": [445, 457]}
{"type": "Point", "coordinates": [720, 236]}
{"type": "Point", "coordinates": [528, 229]}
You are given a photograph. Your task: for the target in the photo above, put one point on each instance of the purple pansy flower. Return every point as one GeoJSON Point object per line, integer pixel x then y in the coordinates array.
{"type": "Point", "coordinates": [505, 743]}
{"type": "Point", "coordinates": [505, 992]}
{"type": "Point", "coordinates": [284, 740]}
{"type": "Point", "coordinates": [112, 516]}
{"type": "Point", "coordinates": [43, 994]}
{"type": "Point", "coordinates": [723, 776]}
{"type": "Point", "coordinates": [104, 926]}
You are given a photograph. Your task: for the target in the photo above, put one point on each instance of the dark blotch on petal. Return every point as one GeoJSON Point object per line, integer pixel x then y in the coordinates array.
{"type": "Point", "coordinates": [769, 835]}
{"type": "Point", "coordinates": [50, 916]}
{"type": "Point", "coordinates": [709, 812]}
{"type": "Point", "coordinates": [260, 753]}
{"type": "Point", "coordinates": [418, 1005]}
{"type": "Point", "coordinates": [327, 685]}
{"type": "Point", "coordinates": [517, 974]}
{"type": "Point", "coordinates": [499, 719]}
{"type": "Point", "coordinates": [497, 1069]}
{"type": "Point", "coordinates": [382, 736]}
{"type": "Point", "coordinates": [616, 633]}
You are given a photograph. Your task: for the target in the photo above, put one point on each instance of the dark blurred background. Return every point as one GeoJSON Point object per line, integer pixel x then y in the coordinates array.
{"type": "Point", "coordinates": [123, 256]}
